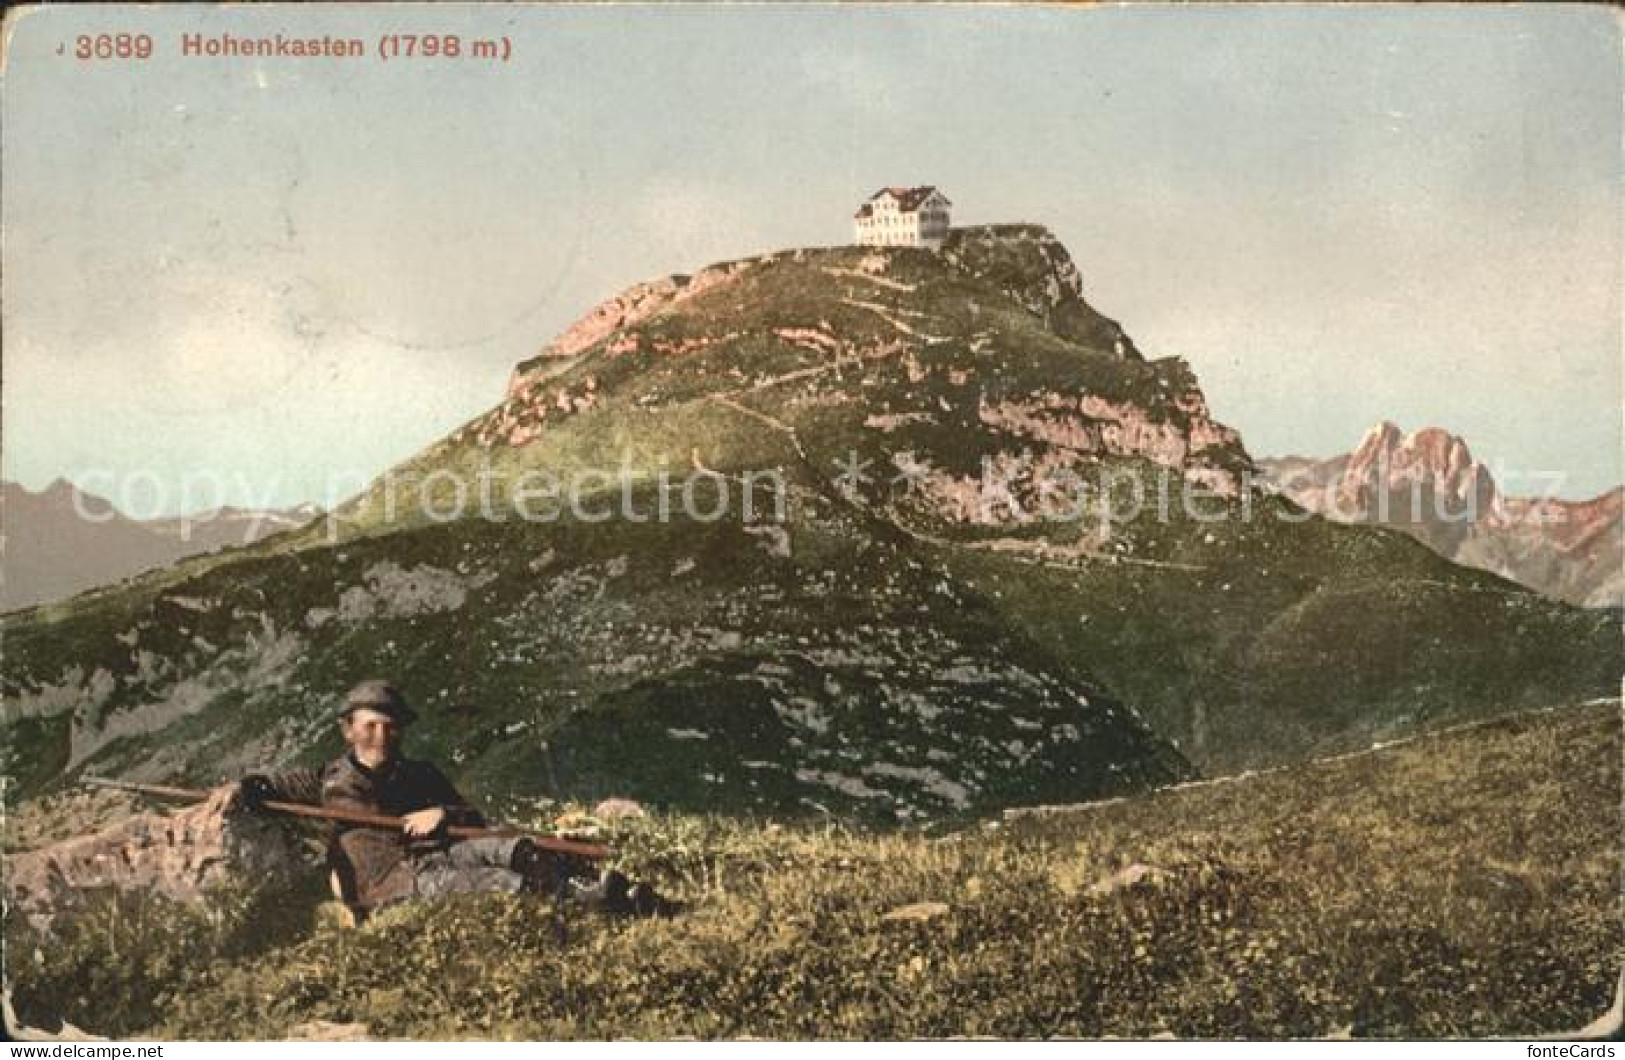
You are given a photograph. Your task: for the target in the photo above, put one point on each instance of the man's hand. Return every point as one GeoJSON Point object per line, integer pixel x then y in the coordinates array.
{"type": "Point", "coordinates": [246, 794]}
{"type": "Point", "coordinates": [424, 822]}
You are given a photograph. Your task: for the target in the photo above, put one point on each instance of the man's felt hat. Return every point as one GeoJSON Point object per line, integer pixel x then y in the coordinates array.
{"type": "Point", "coordinates": [381, 696]}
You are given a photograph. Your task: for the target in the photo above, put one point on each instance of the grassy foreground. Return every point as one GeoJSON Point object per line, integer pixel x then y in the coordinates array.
{"type": "Point", "coordinates": [1465, 884]}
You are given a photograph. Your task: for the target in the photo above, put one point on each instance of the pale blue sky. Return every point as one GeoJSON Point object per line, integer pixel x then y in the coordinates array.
{"type": "Point", "coordinates": [290, 273]}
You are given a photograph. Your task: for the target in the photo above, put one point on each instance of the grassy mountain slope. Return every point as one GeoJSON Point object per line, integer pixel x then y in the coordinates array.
{"type": "Point", "coordinates": [1462, 885]}
{"type": "Point", "coordinates": [846, 677]}
{"type": "Point", "coordinates": [917, 632]}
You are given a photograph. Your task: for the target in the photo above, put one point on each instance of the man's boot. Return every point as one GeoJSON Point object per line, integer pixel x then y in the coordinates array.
{"type": "Point", "coordinates": [546, 870]}
{"type": "Point", "coordinates": [646, 901]}
{"type": "Point", "coordinates": [611, 894]}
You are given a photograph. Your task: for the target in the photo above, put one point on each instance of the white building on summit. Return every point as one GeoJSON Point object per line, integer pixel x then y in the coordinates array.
{"type": "Point", "coordinates": [903, 217]}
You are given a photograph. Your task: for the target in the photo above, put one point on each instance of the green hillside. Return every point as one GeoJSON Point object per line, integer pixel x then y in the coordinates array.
{"type": "Point", "coordinates": [908, 625]}
{"type": "Point", "coordinates": [1464, 885]}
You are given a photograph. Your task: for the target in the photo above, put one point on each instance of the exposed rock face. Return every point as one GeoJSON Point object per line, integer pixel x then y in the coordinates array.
{"type": "Point", "coordinates": [182, 855]}
{"type": "Point", "coordinates": [1431, 473]}
{"type": "Point", "coordinates": [532, 406]}
{"type": "Point", "coordinates": [1428, 484]}
{"type": "Point", "coordinates": [1571, 550]}
{"type": "Point", "coordinates": [632, 306]}
{"type": "Point", "coordinates": [1096, 426]}
{"type": "Point", "coordinates": [1035, 269]}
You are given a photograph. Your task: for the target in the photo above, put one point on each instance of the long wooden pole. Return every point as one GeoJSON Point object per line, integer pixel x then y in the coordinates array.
{"type": "Point", "coordinates": [374, 820]}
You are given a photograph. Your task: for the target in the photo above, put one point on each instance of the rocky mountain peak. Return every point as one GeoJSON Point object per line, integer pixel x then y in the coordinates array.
{"type": "Point", "coordinates": [1388, 459]}
{"type": "Point", "coordinates": [1026, 261]}
{"type": "Point", "coordinates": [60, 498]}
{"type": "Point", "coordinates": [1381, 439]}
{"type": "Point", "coordinates": [983, 352]}
{"type": "Point", "coordinates": [1428, 484]}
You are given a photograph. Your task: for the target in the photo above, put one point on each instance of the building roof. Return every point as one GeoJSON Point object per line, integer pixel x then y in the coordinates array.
{"type": "Point", "coordinates": [908, 199]}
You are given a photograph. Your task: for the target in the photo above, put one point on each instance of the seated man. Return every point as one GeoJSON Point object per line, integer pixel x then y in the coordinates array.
{"type": "Point", "coordinates": [379, 867]}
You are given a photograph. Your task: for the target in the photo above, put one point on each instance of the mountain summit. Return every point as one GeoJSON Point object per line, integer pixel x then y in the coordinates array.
{"type": "Point", "coordinates": [995, 555]}
{"type": "Point", "coordinates": [928, 362]}
{"type": "Point", "coordinates": [1428, 485]}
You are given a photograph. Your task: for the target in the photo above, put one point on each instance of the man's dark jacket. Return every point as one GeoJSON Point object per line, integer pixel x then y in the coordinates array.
{"type": "Point", "coordinates": [375, 863]}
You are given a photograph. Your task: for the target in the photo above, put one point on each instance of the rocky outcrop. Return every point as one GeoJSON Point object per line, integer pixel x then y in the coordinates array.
{"type": "Point", "coordinates": [530, 407]}
{"type": "Point", "coordinates": [1093, 425]}
{"type": "Point", "coordinates": [182, 856]}
{"type": "Point", "coordinates": [631, 307]}
{"type": "Point", "coordinates": [1034, 268]}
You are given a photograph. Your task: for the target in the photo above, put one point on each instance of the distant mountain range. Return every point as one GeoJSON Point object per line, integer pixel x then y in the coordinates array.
{"type": "Point", "coordinates": [1428, 485]}
{"type": "Point", "coordinates": [900, 632]}
{"type": "Point", "coordinates": [62, 540]}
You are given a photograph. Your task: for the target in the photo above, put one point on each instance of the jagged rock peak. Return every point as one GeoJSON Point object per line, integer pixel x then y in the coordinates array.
{"type": "Point", "coordinates": [59, 489]}
{"type": "Point", "coordinates": [1391, 458]}
{"type": "Point", "coordinates": [1385, 437]}
{"type": "Point", "coordinates": [1428, 485]}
